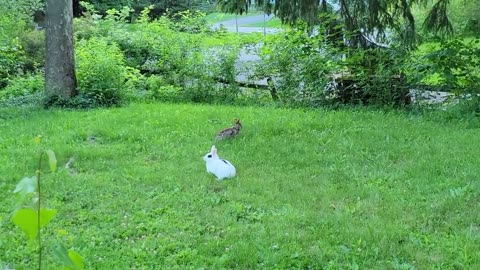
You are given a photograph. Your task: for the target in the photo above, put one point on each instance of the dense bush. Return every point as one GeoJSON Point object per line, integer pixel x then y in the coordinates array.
{"type": "Point", "coordinates": [189, 21]}
{"type": "Point", "coordinates": [33, 44]}
{"type": "Point", "coordinates": [159, 49]}
{"type": "Point", "coordinates": [166, 93]}
{"type": "Point", "coordinates": [101, 73]}
{"type": "Point", "coordinates": [21, 55]}
{"type": "Point", "coordinates": [313, 70]}
{"type": "Point", "coordinates": [23, 86]}
{"type": "Point", "coordinates": [21, 9]}
{"type": "Point", "coordinates": [21, 48]}
{"type": "Point", "coordinates": [301, 65]}
{"type": "Point", "coordinates": [158, 7]}
{"type": "Point", "coordinates": [12, 55]}
{"type": "Point", "coordinates": [374, 77]}
{"type": "Point", "coordinates": [451, 65]}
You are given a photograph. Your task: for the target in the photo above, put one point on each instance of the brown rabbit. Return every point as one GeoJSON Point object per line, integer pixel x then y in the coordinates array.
{"type": "Point", "coordinates": [229, 132]}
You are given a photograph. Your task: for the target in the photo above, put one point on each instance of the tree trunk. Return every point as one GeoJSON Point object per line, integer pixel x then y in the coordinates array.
{"type": "Point", "coordinates": [264, 25]}
{"type": "Point", "coordinates": [236, 21]}
{"type": "Point", "coordinates": [60, 78]}
{"type": "Point", "coordinates": [77, 9]}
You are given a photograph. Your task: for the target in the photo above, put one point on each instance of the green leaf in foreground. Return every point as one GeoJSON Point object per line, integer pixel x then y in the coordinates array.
{"type": "Point", "coordinates": [52, 160]}
{"type": "Point", "coordinates": [27, 220]}
{"type": "Point", "coordinates": [70, 259]}
{"type": "Point", "coordinates": [26, 186]}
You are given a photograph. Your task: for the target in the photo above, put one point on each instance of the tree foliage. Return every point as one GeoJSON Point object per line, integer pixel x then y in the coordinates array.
{"type": "Point", "coordinates": [366, 21]}
{"type": "Point", "coordinates": [464, 16]}
{"type": "Point", "coordinates": [159, 6]}
{"type": "Point", "coordinates": [233, 6]}
{"type": "Point", "coordinates": [265, 5]}
{"type": "Point", "coordinates": [437, 19]}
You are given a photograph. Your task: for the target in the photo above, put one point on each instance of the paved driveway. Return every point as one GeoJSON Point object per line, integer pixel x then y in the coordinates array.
{"type": "Point", "coordinates": [230, 25]}
{"type": "Point", "coordinates": [247, 56]}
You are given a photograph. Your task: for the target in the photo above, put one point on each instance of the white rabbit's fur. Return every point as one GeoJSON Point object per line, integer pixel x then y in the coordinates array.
{"type": "Point", "coordinates": [219, 167]}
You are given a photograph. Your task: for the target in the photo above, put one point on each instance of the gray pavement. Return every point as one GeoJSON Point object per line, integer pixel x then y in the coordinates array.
{"type": "Point", "coordinates": [247, 56]}
{"type": "Point", "coordinates": [244, 20]}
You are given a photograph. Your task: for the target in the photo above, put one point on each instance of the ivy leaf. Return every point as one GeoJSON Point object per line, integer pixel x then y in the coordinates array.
{"type": "Point", "coordinates": [70, 259]}
{"type": "Point", "coordinates": [27, 220]}
{"type": "Point", "coordinates": [52, 160]}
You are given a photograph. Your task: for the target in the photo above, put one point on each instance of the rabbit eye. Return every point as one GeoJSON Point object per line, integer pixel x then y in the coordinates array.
{"type": "Point", "coordinates": [209, 156]}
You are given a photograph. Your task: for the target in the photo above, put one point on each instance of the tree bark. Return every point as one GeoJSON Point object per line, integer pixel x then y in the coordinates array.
{"type": "Point", "coordinates": [236, 21]}
{"type": "Point", "coordinates": [264, 24]}
{"type": "Point", "coordinates": [60, 77]}
{"type": "Point", "coordinates": [77, 9]}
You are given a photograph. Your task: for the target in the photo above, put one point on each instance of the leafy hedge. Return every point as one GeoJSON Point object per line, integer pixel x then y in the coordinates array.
{"type": "Point", "coordinates": [156, 49]}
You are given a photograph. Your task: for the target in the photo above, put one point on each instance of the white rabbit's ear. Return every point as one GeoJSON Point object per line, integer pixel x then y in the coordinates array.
{"type": "Point", "coordinates": [213, 151]}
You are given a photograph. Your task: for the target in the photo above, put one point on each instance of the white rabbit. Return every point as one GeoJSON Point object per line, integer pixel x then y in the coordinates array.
{"type": "Point", "coordinates": [221, 168]}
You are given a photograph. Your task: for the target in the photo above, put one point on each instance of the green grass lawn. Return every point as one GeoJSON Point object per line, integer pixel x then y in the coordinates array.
{"type": "Point", "coordinates": [315, 189]}
{"type": "Point", "coordinates": [273, 22]}
{"type": "Point", "coordinates": [219, 17]}
{"type": "Point", "coordinates": [206, 40]}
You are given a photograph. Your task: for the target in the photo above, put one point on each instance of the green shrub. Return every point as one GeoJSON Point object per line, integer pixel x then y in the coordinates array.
{"type": "Point", "coordinates": [452, 65]}
{"type": "Point", "coordinates": [23, 86]}
{"type": "Point", "coordinates": [87, 26]}
{"type": "Point", "coordinates": [11, 60]}
{"type": "Point", "coordinates": [14, 22]}
{"type": "Point", "coordinates": [33, 43]}
{"type": "Point", "coordinates": [12, 55]}
{"type": "Point", "coordinates": [141, 49]}
{"type": "Point", "coordinates": [301, 63]}
{"type": "Point", "coordinates": [179, 59]}
{"type": "Point", "coordinates": [141, 42]}
{"type": "Point", "coordinates": [80, 101]}
{"type": "Point", "coordinates": [22, 9]}
{"type": "Point", "coordinates": [190, 22]}
{"type": "Point", "coordinates": [167, 93]}
{"type": "Point", "coordinates": [312, 70]}
{"type": "Point", "coordinates": [157, 49]}
{"type": "Point", "coordinates": [135, 85]}
{"type": "Point", "coordinates": [209, 76]}
{"type": "Point", "coordinates": [374, 77]}
{"type": "Point", "coordinates": [101, 73]}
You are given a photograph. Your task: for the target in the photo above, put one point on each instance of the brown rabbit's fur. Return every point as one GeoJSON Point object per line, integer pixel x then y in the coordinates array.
{"type": "Point", "coordinates": [229, 132]}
